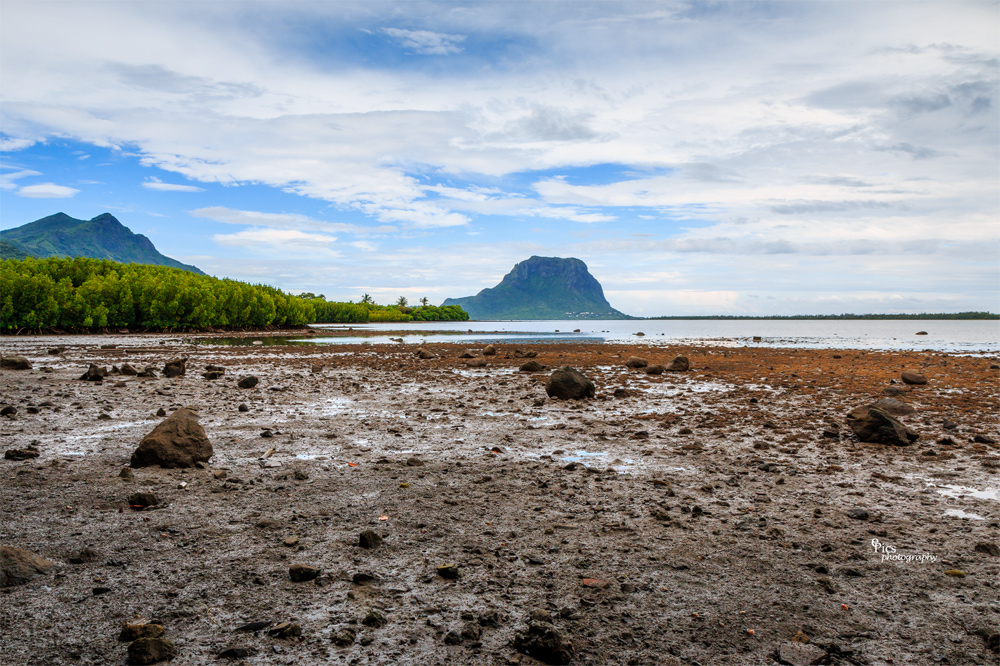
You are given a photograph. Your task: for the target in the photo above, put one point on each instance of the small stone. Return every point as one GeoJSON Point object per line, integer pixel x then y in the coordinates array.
{"type": "Point", "coordinates": [532, 366]}
{"type": "Point", "coordinates": [94, 374]}
{"type": "Point", "coordinates": [15, 363]}
{"type": "Point", "coordinates": [490, 350]}
{"type": "Point", "coordinates": [21, 454]}
{"type": "Point", "coordinates": [127, 369]}
{"type": "Point", "coordinates": [291, 541]}
{"type": "Point", "coordinates": [414, 462]}
{"type": "Point", "coordinates": [161, 412]}
{"type": "Point", "coordinates": [300, 573]}
{"type": "Point", "coordinates": [448, 571]}
{"type": "Point", "coordinates": [243, 407]}
{"type": "Point", "coordinates": [858, 514]}
{"type": "Point", "coordinates": [826, 584]}
{"type": "Point", "coordinates": [477, 362]}
{"type": "Point", "coordinates": [175, 368]}
{"type": "Point", "coordinates": [248, 382]}
{"type": "Point", "coordinates": [150, 651]}
{"type": "Point", "coordinates": [567, 383]}
{"type": "Point", "coordinates": [8, 410]}
{"type": "Point", "coordinates": [251, 627]}
{"type": "Point", "coordinates": [220, 474]}
{"type": "Point", "coordinates": [375, 619]}
{"type": "Point", "coordinates": [234, 653]}
{"type": "Point", "coordinates": [369, 539]}
{"type": "Point", "coordinates": [913, 377]}
{"type": "Point", "coordinates": [178, 441]}
{"type": "Point", "coordinates": [636, 362]}
{"type": "Point", "coordinates": [657, 369]}
{"type": "Point", "coordinates": [983, 439]}
{"type": "Point", "coordinates": [988, 548]}
{"type": "Point", "coordinates": [453, 637]}
{"type": "Point", "coordinates": [133, 632]}
{"type": "Point", "coordinates": [143, 500]}
{"type": "Point", "coordinates": [424, 354]}
{"type": "Point", "coordinates": [344, 637]}
{"type": "Point", "coordinates": [545, 643]}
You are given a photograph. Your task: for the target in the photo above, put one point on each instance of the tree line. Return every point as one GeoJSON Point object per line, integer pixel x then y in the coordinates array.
{"type": "Point", "coordinates": [87, 294]}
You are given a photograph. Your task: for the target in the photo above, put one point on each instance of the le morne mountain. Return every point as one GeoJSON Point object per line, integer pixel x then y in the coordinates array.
{"type": "Point", "coordinates": [103, 237]}
{"type": "Point", "coordinates": [542, 288]}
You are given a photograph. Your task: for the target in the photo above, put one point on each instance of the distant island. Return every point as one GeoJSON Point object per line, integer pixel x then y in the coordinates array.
{"type": "Point", "coordinates": [542, 288]}
{"type": "Point", "coordinates": [102, 237]}
{"type": "Point", "coordinates": [846, 317]}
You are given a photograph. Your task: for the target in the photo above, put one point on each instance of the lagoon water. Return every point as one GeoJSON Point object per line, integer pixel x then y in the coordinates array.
{"type": "Point", "coordinates": [959, 336]}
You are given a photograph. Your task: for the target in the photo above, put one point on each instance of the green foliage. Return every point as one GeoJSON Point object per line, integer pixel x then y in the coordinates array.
{"type": "Point", "coordinates": [83, 293]}
{"type": "Point", "coordinates": [442, 313]}
{"type": "Point", "coordinates": [848, 317]}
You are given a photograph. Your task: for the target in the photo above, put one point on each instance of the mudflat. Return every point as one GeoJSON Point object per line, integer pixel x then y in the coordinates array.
{"type": "Point", "coordinates": [372, 507]}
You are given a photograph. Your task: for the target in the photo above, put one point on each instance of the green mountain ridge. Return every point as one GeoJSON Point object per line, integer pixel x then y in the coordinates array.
{"type": "Point", "coordinates": [542, 288]}
{"type": "Point", "coordinates": [102, 237]}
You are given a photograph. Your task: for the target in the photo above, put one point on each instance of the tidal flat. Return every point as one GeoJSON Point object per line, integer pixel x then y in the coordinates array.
{"type": "Point", "coordinates": [723, 515]}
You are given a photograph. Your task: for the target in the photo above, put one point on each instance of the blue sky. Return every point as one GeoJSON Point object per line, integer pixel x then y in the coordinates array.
{"type": "Point", "coordinates": [702, 158]}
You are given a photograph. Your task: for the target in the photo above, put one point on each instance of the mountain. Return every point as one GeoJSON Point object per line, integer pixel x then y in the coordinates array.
{"type": "Point", "coordinates": [103, 237]}
{"type": "Point", "coordinates": [542, 288]}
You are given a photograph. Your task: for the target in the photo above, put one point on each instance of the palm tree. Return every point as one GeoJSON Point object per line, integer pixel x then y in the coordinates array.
{"type": "Point", "coordinates": [402, 302]}
{"type": "Point", "coordinates": [367, 300]}
{"type": "Point", "coordinates": [424, 301]}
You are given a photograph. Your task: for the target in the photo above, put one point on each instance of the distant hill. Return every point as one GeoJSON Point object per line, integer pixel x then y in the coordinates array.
{"type": "Point", "coordinates": [103, 237]}
{"type": "Point", "coordinates": [542, 288]}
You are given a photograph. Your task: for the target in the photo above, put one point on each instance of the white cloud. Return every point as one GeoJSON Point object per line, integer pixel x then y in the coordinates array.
{"type": "Point", "coordinates": [426, 42]}
{"type": "Point", "coordinates": [47, 191]}
{"type": "Point", "coordinates": [156, 184]}
{"type": "Point", "coordinates": [283, 221]}
{"type": "Point", "coordinates": [7, 179]}
{"type": "Point", "coordinates": [279, 242]}
{"type": "Point", "coordinates": [10, 144]}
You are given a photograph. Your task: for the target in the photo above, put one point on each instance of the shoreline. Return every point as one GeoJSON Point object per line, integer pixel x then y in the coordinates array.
{"type": "Point", "coordinates": [705, 504]}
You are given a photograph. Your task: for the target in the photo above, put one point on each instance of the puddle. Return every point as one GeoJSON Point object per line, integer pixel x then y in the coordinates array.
{"type": "Point", "coordinates": [580, 456]}
{"type": "Point", "coordinates": [954, 491]}
{"type": "Point", "coordinates": [958, 513]}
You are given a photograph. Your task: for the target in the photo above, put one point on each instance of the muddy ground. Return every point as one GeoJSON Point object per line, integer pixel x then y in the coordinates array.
{"type": "Point", "coordinates": [705, 521]}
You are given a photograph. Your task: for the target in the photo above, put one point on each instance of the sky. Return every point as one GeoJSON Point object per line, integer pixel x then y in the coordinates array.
{"type": "Point", "coordinates": [739, 158]}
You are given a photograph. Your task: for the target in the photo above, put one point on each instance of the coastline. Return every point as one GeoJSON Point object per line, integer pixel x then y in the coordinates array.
{"type": "Point", "coordinates": [741, 523]}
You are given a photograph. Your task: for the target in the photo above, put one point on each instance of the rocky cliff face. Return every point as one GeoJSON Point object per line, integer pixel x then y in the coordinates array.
{"type": "Point", "coordinates": [542, 288]}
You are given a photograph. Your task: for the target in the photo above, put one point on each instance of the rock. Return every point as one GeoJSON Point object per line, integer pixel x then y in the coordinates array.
{"type": "Point", "coordinates": [215, 368]}
{"type": "Point", "coordinates": [988, 548]}
{"type": "Point", "coordinates": [211, 375]}
{"type": "Point", "coordinates": [679, 364]}
{"type": "Point", "coordinates": [640, 334]}
{"type": "Point", "coordinates": [453, 637]}
{"type": "Point", "coordinates": [133, 632]}
{"type": "Point", "coordinates": [369, 539]}
{"type": "Point", "coordinates": [894, 407]}
{"type": "Point", "coordinates": [251, 627]}
{"type": "Point", "coordinates": [800, 654]}
{"type": "Point", "coordinates": [344, 637]}
{"type": "Point", "coordinates": [18, 566]}
{"type": "Point", "coordinates": [55, 351]}
{"type": "Point", "coordinates": [955, 573]}
{"type": "Point", "coordinates": [532, 366]}
{"type": "Point", "coordinates": [243, 407]}
{"type": "Point", "coordinates": [285, 630]}
{"type": "Point", "coordinates": [375, 619]}
{"type": "Point", "coordinates": [490, 350]}
{"type": "Point", "coordinates": [424, 354]}
{"type": "Point", "coordinates": [621, 393]}
{"type": "Point", "coordinates": [127, 369]}
{"type": "Point", "coordinates": [912, 377]}
{"type": "Point", "coordinates": [175, 368]}
{"type": "Point", "coordinates": [94, 374]}
{"type": "Point", "coordinates": [871, 424]}
{"type": "Point", "coordinates": [921, 333]}
{"type": "Point", "coordinates": [234, 653]}
{"type": "Point", "coordinates": [291, 541]}
{"type": "Point", "coordinates": [448, 571]}
{"type": "Point", "coordinates": [657, 369]}
{"type": "Point", "coordinates": [414, 462]}
{"type": "Point", "coordinates": [15, 363]}
{"type": "Point", "coordinates": [21, 454]}
{"type": "Point", "coordinates": [566, 383]}
{"type": "Point", "coordinates": [983, 439]}
{"type": "Point", "coordinates": [248, 382]}
{"type": "Point", "coordinates": [161, 412]}
{"type": "Point", "coordinates": [84, 556]}
{"type": "Point", "coordinates": [8, 410]}
{"type": "Point", "coordinates": [895, 391]}
{"type": "Point", "coordinates": [478, 362]}
{"type": "Point", "coordinates": [151, 650]}
{"type": "Point", "coordinates": [518, 353]}
{"type": "Point", "coordinates": [467, 354]}
{"type": "Point", "coordinates": [299, 573]}
{"type": "Point", "coordinates": [543, 642]}
{"type": "Point", "coordinates": [858, 514]}
{"type": "Point", "coordinates": [178, 441]}
{"type": "Point", "coordinates": [636, 362]}
{"type": "Point", "coordinates": [126, 474]}
{"type": "Point", "coordinates": [143, 500]}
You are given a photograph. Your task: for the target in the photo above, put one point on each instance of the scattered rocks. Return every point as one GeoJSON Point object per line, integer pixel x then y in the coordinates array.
{"type": "Point", "coordinates": [248, 382]}
{"type": "Point", "coordinates": [18, 566]}
{"type": "Point", "coordinates": [679, 364]}
{"type": "Point", "coordinates": [545, 643]}
{"type": "Point", "coordinates": [300, 573]}
{"type": "Point", "coordinates": [913, 377]}
{"type": "Point", "coordinates": [636, 362]}
{"type": "Point", "coordinates": [14, 363]}
{"type": "Point", "coordinates": [133, 632]}
{"type": "Point", "coordinates": [532, 366]}
{"type": "Point", "coordinates": [369, 539]}
{"type": "Point", "coordinates": [175, 368]}
{"type": "Point", "coordinates": [94, 374]}
{"type": "Point", "coordinates": [178, 441]}
{"type": "Point", "coordinates": [567, 383]}
{"type": "Point", "coordinates": [871, 424]}
{"type": "Point", "coordinates": [151, 650]}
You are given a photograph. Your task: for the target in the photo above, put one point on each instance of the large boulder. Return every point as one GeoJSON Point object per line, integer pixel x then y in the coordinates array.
{"type": "Point", "coordinates": [567, 383]}
{"type": "Point", "coordinates": [18, 566]}
{"type": "Point", "coordinates": [872, 424]}
{"type": "Point", "coordinates": [175, 368]}
{"type": "Point", "coordinates": [15, 363]}
{"type": "Point", "coordinates": [179, 441]}
{"type": "Point", "coordinates": [636, 362]}
{"type": "Point", "coordinates": [679, 364]}
{"type": "Point", "coordinates": [913, 377]}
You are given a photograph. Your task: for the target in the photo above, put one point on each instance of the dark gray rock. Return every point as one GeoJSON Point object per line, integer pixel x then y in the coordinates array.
{"type": "Point", "coordinates": [94, 374]}
{"type": "Point", "coordinates": [894, 406]}
{"type": "Point", "coordinates": [178, 441]}
{"type": "Point", "coordinates": [175, 368]}
{"type": "Point", "coordinates": [871, 424]}
{"type": "Point", "coordinates": [300, 573]}
{"type": "Point", "coordinates": [679, 364]}
{"type": "Point", "coordinates": [913, 377]}
{"type": "Point", "coordinates": [567, 383]}
{"type": "Point", "coordinates": [15, 363]}
{"type": "Point", "coordinates": [532, 366]}
{"type": "Point", "coordinates": [151, 650]}
{"type": "Point", "coordinates": [545, 643]}
{"type": "Point", "coordinates": [636, 362]}
{"type": "Point", "coordinates": [248, 382]}
{"type": "Point", "coordinates": [369, 539]}
{"type": "Point", "coordinates": [18, 566]}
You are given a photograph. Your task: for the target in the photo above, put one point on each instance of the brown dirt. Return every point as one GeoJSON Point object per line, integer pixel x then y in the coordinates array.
{"type": "Point", "coordinates": [695, 540]}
